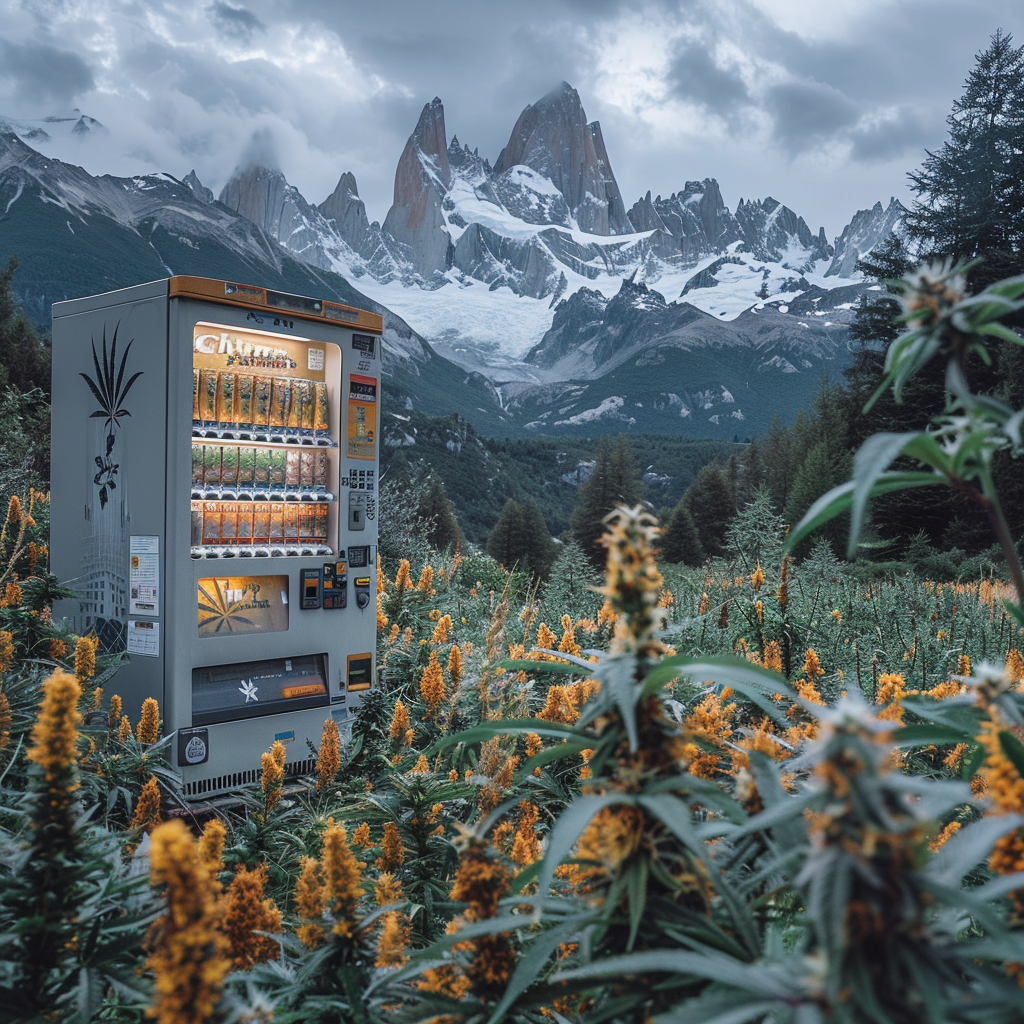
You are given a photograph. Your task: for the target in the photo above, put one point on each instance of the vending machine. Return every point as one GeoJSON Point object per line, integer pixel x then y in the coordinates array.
{"type": "Point", "coordinates": [214, 509]}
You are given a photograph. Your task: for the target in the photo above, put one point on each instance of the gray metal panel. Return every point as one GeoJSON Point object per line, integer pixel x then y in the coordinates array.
{"type": "Point", "coordinates": [107, 478]}
{"type": "Point", "coordinates": [135, 293]}
{"type": "Point", "coordinates": [236, 746]}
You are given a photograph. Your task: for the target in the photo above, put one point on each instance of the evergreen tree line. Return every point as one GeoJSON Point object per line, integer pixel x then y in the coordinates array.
{"type": "Point", "coordinates": [969, 209]}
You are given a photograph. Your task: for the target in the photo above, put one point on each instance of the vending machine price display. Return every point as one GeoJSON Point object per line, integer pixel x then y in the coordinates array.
{"type": "Point", "coordinates": [227, 693]}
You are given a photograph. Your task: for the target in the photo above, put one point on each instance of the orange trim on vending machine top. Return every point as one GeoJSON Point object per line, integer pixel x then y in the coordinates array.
{"type": "Point", "coordinates": [248, 296]}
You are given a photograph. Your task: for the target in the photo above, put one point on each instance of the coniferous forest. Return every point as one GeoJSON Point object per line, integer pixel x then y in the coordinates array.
{"type": "Point", "coordinates": [664, 731]}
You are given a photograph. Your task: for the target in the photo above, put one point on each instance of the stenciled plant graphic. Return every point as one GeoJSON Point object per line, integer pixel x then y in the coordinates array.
{"type": "Point", "coordinates": [110, 389]}
{"type": "Point", "coordinates": [220, 610]}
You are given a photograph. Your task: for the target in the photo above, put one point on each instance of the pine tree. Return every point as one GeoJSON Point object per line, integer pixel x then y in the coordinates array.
{"type": "Point", "coordinates": [757, 533]}
{"type": "Point", "coordinates": [971, 192]}
{"type": "Point", "coordinates": [823, 460]}
{"type": "Point", "coordinates": [435, 509]}
{"type": "Point", "coordinates": [24, 360]}
{"type": "Point", "coordinates": [712, 504]}
{"type": "Point", "coordinates": [571, 586]}
{"type": "Point", "coordinates": [520, 538]}
{"type": "Point", "coordinates": [680, 541]}
{"type": "Point", "coordinates": [614, 481]}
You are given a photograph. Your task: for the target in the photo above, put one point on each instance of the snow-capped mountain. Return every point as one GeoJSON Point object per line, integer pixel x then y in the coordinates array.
{"type": "Point", "coordinates": [41, 130]}
{"type": "Point", "coordinates": [478, 256]}
{"type": "Point", "coordinates": [558, 307]}
{"type": "Point", "coordinates": [75, 234]}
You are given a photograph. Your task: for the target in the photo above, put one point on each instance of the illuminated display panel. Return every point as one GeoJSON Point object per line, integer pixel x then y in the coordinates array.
{"type": "Point", "coordinates": [233, 605]}
{"type": "Point", "coordinates": [250, 689]}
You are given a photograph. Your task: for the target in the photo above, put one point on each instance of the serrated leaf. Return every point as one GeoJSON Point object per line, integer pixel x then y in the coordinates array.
{"type": "Point", "coordinates": [569, 827]}
{"type": "Point", "coordinates": [840, 499]}
{"type": "Point", "coordinates": [968, 847]}
{"type": "Point", "coordinates": [754, 682]}
{"type": "Point", "coordinates": [1013, 749]}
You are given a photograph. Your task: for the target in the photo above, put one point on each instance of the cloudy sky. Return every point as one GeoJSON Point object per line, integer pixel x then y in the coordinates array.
{"type": "Point", "coordinates": [823, 106]}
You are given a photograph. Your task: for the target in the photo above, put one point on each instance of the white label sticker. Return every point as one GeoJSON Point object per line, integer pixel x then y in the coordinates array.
{"type": "Point", "coordinates": [195, 751]}
{"type": "Point", "coordinates": [144, 638]}
{"type": "Point", "coordinates": [144, 576]}
{"type": "Point", "coordinates": [315, 358]}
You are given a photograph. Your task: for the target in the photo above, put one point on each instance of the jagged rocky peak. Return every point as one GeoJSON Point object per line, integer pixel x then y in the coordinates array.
{"type": "Point", "coordinates": [553, 138]}
{"type": "Point", "coordinates": [415, 219]}
{"type": "Point", "coordinates": [469, 162]}
{"type": "Point", "coordinates": [258, 193]}
{"type": "Point", "coordinates": [691, 223]}
{"type": "Point", "coordinates": [198, 189]}
{"type": "Point", "coordinates": [347, 212]}
{"type": "Point", "coordinates": [772, 231]}
{"type": "Point", "coordinates": [867, 229]}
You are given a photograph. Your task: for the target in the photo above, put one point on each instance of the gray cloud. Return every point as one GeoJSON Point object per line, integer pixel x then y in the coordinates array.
{"type": "Point", "coordinates": [41, 72]}
{"type": "Point", "coordinates": [905, 134]}
{"type": "Point", "coordinates": [260, 151]}
{"type": "Point", "coordinates": [807, 114]}
{"type": "Point", "coordinates": [693, 75]}
{"type": "Point", "coordinates": [826, 120]}
{"type": "Point", "coordinates": [235, 19]}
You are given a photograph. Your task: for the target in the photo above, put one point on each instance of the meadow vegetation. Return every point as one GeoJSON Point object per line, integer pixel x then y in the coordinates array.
{"type": "Point", "coordinates": [767, 787]}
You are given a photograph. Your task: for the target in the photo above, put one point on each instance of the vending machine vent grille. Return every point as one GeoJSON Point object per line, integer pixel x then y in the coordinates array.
{"type": "Point", "coordinates": [227, 783]}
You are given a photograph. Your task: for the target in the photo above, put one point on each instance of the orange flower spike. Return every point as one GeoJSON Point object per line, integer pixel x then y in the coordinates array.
{"type": "Point", "coordinates": [342, 875]}
{"type": "Point", "coordinates": [403, 578]}
{"type": "Point", "coordinates": [455, 666]}
{"type": "Point", "coordinates": [328, 762]}
{"type": "Point", "coordinates": [1014, 665]}
{"type": "Point", "coordinates": [189, 956]}
{"type": "Point", "coordinates": [545, 638]}
{"type": "Point", "coordinates": [85, 659]}
{"type": "Point", "coordinates": [148, 730]}
{"type": "Point", "coordinates": [400, 723]}
{"type": "Point", "coordinates": [246, 913]}
{"type": "Point", "coordinates": [5, 721]}
{"type": "Point", "coordinates": [442, 630]}
{"type": "Point", "coordinates": [757, 577]}
{"type": "Point", "coordinates": [114, 713]}
{"type": "Point", "coordinates": [211, 845]}
{"type": "Point", "coordinates": [812, 666]}
{"type": "Point", "coordinates": [310, 901]}
{"type": "Point", "coordinates": [392, 851]}
{"type": "Point", "coordinates": [393, 941]}
{"type": "Point", "coordinates": [6, 649]}
{"type": "Point", "coordinates": [147, 807]}
{"type": "Point", "coordinates": [426, 581]}
{"type": "Point", "coordinates": [432, 688]}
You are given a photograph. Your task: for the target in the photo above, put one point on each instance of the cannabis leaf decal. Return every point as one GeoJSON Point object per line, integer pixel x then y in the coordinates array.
{"type": "Point", "coordinates": [110, 389]}
{"type": "Point", "coordinates": [220, 612]}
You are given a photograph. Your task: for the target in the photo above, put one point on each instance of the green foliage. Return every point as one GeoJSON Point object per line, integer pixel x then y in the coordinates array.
{"type": "Point", "coordinates": [571, 586]}
{"type": "Point", "coordinates": [521, 538]}
{"type": "Point", "coordinates": [971, 197]}
{"type": "Point", "coordinates": [24, 360]}
{"type": "Point", "coordinates": [614, 480]}
{"type": "Point", "coordinates": [435, 508]}
{"type": "Point", "coordinates": [711, 503]}
{"type": "Point", "coordinates": [680, 541]}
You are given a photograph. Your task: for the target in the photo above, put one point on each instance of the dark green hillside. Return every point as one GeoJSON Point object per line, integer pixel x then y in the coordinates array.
{"type": "Point", "coordinates": [647, 386]}
{"type": "Point", "coordinates": [66, 254]}
{"type": "Point", "coordinates": [480, 474]}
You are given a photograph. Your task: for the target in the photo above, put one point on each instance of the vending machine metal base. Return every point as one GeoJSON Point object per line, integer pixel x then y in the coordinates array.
{"type": "Point", "coordinates": [214, 485]}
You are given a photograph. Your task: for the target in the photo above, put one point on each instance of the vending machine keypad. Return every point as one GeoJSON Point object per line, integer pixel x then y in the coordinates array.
{"type": "Point", "coordinates": [335, 585]}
